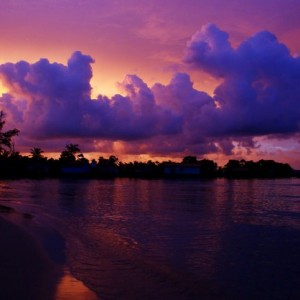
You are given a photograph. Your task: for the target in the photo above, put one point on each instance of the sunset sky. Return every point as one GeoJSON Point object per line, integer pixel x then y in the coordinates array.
{"type": "Point", "coordinates": [153, 79]}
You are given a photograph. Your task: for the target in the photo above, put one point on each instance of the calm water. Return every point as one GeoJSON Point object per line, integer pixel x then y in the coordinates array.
{"type": "Point", "coordinates": [139, 239]}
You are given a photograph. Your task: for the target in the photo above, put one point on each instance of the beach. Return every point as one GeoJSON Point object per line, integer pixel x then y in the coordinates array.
{"type": "Point", "coordinates": [26, 272]}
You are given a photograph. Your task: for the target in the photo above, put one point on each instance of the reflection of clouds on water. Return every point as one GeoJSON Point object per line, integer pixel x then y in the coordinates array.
{"type": "Point", "coordinates": [171, 239]}
{"type": "Point", "coordinates": [261, 202]}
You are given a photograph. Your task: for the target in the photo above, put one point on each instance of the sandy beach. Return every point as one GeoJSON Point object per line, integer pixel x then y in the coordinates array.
{"type": "Point", "coordinates": [26, 272]}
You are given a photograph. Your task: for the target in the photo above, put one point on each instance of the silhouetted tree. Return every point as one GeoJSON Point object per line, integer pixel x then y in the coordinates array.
{"type": "Point", "coordinates": [82, 160]}
{"type": "Point", "coordinates": [6, 144]}
{"type": "Point", "coordinates": [68, 155]}
{"type": "Point", "coordinates": [208, 168]}
{"type": "Point", "coordinates": [189, 160]}
{"type": "Point", "coordinates": [36, 153]}
{"type": "Point", "coordinates": [107, 167]}
{"type": "Point", "coordinates": [113, 160]}
{"type": "Point", "coordinates": [260, 169]}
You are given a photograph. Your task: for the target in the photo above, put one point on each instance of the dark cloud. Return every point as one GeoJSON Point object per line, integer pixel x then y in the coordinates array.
{"type": "Point", "coordinates": [258, 96]}
{"type": "Point", "coordinates": [260, 92]}
{"type": "Point", "coordinates": [50, 100]}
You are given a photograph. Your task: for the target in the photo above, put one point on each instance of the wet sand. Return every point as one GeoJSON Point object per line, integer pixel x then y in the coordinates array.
{"type": "Point", "coordinates": [26, 272]}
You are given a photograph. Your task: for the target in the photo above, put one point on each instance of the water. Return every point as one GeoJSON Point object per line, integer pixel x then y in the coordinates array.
{"type": "Point", "coordinates": [160, 239]}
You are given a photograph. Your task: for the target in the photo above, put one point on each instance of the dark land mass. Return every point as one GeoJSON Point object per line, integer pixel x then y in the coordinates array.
{"type": "Point", "coordinates": [72, 164]}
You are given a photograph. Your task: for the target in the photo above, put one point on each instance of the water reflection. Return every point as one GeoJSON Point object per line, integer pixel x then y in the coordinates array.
{"type": "Point", "coordinates": [69, 288]}
{"type": "Point", "coordinates": [143, 239]}
{"type": "Point", "coordinates": [72, 196]}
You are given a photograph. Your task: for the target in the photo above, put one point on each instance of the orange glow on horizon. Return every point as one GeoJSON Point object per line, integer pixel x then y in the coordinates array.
{"type": "Point", "coordinates": [123, 157]}
{"type": "Point", "coordinates": [290, 157]}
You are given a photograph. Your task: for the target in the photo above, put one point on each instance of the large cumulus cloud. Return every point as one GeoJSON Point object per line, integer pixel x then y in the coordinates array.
{"type": "Point", "coordinates": [258, 96]}
{"type": "Point", "coordinates": [50, 100]}
{"type": "Point", "coordinates": [260, 92]}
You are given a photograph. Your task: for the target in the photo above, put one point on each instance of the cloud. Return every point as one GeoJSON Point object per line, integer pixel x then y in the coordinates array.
{"type": "Point", "coordinates": [50, 100]}
{"type": "Point", "coordinates": [210, 50]}
{"type": "Point", "coordinates": [258, 96]}
{"type": "Point", "coordinates": [260, 92]}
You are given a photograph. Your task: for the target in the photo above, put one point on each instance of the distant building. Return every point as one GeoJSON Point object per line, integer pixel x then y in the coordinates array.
{"type": "Point", "coordinates": [75, 170]}
{"type": "Point", "coordinates": [182, 170]}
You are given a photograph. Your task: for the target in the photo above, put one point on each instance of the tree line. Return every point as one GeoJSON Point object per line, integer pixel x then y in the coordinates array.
{"type": "Point", "coordinates": [73, 163]}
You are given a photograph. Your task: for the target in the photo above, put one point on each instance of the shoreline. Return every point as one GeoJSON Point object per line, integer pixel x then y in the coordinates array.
{"type": "Point", "coordinates": [29, 270]}
{"type": "Point", "coordinates": [26, 272]}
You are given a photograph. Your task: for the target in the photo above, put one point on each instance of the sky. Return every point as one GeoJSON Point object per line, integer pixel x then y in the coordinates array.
{"type": "Point", "coordinates": [154, 79]}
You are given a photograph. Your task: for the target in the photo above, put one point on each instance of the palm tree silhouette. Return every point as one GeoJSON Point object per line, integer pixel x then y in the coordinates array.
{"type": "Point", "coordinates": [36, 153]}
{"type": "Point", "coordinates": [6, 144]}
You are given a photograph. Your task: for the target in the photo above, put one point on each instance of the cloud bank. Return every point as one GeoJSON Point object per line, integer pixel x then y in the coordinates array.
{"type": "Point", "coordinates": [260, 93]}
{"type": "Point", "coordinates": [258, 96]}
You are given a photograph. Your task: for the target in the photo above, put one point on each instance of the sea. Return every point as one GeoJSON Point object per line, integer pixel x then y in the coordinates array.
{"type": "Point", "coordinates": [166, 239]}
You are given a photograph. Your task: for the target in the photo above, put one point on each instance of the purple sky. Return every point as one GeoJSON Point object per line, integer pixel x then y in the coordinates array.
{"type": "Point", "coordinates": [218, 79]}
